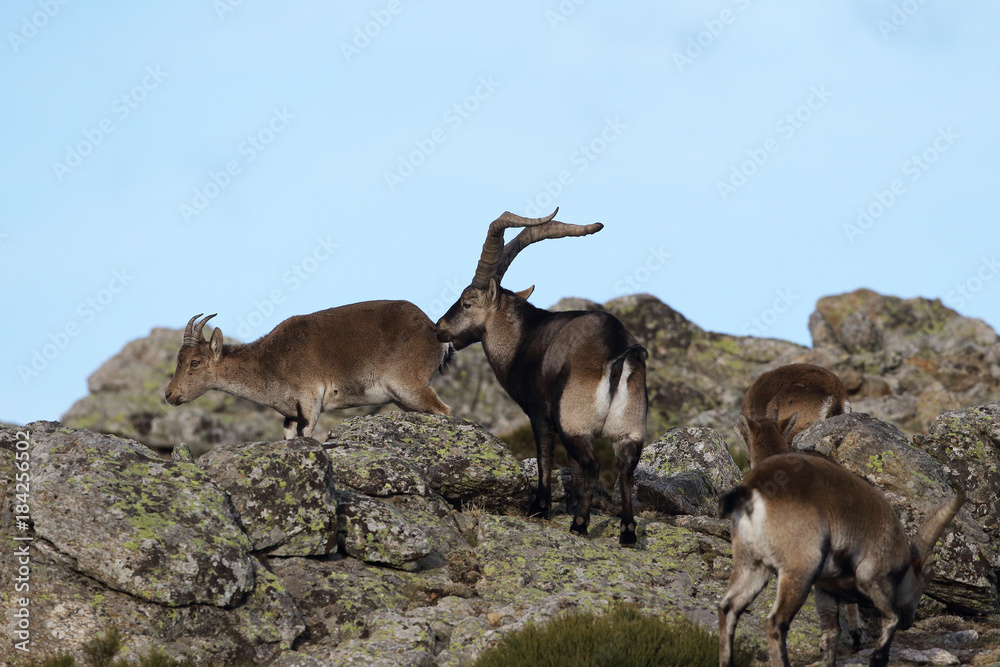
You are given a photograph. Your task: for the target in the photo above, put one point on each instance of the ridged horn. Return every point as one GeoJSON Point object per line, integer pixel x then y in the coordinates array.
{"type": "Point", "coordinates": [192, 333]}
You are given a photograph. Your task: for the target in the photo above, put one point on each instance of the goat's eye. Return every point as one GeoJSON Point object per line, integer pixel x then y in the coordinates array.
{"type": "Point", "coordinates": [195, 363]}
{"type": "Point", "coordinates": [466, 305]}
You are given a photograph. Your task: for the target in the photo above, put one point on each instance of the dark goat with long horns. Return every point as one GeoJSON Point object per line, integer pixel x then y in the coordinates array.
{"type": "Point", "coordinates": [578, 374]}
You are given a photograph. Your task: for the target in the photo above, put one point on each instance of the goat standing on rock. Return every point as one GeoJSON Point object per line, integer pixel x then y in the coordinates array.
{"type": "Point", "coordinates": [578, 374]}
{"type": "Point", "coordinates": [819, 526]}
{"type": "Point", "coordinates": [368, 353]}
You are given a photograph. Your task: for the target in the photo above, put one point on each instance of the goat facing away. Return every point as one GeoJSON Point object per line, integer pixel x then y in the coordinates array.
{"type": "Point", "coordinates": [576, 374]}
{"type": "Point", "coordinates": [817, 525]}
{"type": "Point", "coordinates": [788, 399]}
{"type": "Point", "coordinates": [368, 353]}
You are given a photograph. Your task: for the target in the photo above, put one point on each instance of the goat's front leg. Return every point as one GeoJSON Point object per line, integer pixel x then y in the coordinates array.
{"type": "Point", "coordinates": [544, 446]}
{"type": "Point", "coordinates": [291, 428]}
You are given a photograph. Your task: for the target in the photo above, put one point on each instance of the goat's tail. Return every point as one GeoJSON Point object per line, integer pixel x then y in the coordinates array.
{"type": "Point", "coordinates": [447, 357]}
{"type": "Point", "coordinates": [636, 354]}
{"type": "Point", "coordinates": [735, 499]}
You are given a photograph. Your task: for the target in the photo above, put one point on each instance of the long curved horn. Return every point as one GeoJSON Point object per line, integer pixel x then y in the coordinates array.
{"type": "Point", "coordinates": [552, 229]}
{"type": "Point", "coordinates": [493, 247]}
{"type": "Point", "coordinates": [196, 334]}
{"type": "Point", "coordinates": [189, 336]}
{"type": "Point", "coordinates": [932, 527]}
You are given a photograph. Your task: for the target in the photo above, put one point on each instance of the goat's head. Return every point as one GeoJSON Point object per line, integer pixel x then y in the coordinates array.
{"type": "Point", "coordinates": [467, 319]}
{"type": "Point", "coordinates": [196, 362]}
{"type": "Point", "coordinates": [765, 437]}
{"type": "Point", "coordinates": [921, 571]}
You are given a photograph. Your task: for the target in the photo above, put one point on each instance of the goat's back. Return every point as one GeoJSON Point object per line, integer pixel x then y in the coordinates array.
{"type": "Point", "coordinates": [812, 504]}
{"type": "Point", "coordinates": [368, 334]}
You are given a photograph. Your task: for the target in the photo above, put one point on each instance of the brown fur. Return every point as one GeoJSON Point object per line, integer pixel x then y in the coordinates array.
{"type": "Point", "coordinates": [368, 353]}
{"type": "Point", "coordinates": [804, 391]}
{"type": "Point", "coordinates": [817, 525]}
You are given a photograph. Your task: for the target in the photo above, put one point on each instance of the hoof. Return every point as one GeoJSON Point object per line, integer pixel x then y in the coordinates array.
{"type": "Point", "coordinates": [538, 511]}
{"type": "Point", "coordinates": [627, 536]}
{"type": "Point", "coordinates": [579, 526]}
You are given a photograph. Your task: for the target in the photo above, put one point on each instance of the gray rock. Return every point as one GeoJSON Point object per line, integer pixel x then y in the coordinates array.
{"type": "Point", "coordinates": [156, 529]}
{"type": "Point", "coordinates": [375, 472]}
{"type": "Point", "coordinates": [967, 443]}
{"type": "Point", "coordinates": [915, 485]}
{"type": "Point", "coordinates": [373, 531]}
{"type": "Point", "coordinates": [689, 492]}
{"type": "Point", "coordinates": [685, 471]}
{"type": "Point", "coordinates": [283, 492]}
{"type": "Point", "coordinates": [463, 462]}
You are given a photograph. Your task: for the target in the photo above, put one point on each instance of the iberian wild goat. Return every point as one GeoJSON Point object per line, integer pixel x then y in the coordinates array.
{"type": "Point", "coordinates": [817, 525]}
{"type": "Point", "coordinates": [368, 353]}
{"type": "Point", "coordinates": [789, 399]}
{"type": "Point", "coordinates": [578, 374]}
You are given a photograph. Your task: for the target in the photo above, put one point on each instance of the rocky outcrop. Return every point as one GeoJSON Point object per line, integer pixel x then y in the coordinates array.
{"type": "Point", "coordinates": [414, 547]}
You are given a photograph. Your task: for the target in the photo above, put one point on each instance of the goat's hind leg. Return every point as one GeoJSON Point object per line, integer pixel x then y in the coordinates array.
{"type": "Point", "coordinates": [627, 452]}
{"type": "Point", "coordinates": [581, 449]}
{"type": "Point", "coordinates": [744, 584]}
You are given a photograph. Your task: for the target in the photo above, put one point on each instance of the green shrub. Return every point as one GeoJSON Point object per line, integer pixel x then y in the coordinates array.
{"type": "Point", "coordinates": [100, 651]}
{"type": "Point", "coordinates": [624, 637]}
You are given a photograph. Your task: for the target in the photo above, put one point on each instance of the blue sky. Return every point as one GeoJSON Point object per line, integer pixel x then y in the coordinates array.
{"type": "Point", "coordinates": [262, 160]}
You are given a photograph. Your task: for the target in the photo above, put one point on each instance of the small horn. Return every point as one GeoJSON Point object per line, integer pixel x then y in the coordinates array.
{"type": "Point", "coordinates": [933, 526]}
{"type": "Point", "coordinates": [189, 336]}
{"type": "Point", "coordinates": [196, 333]}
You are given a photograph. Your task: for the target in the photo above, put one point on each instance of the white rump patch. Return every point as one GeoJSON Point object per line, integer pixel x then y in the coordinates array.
{"type": "Point", "coordinates": [824, 411]}
{"type": "Point", "coordinates": [847, 407]}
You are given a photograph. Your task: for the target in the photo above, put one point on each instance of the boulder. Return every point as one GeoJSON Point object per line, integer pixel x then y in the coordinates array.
{"type": "Point", "coordinates": [373, 531]}
{"type": "Point", "coordinates": [159, 530]}
{"type": "Point", "coordinates": [915, 486]}
{"type": "Point", "coordinates": [685, 471]}
{"type": "Point", "coordinates": [967, 444]}
{"type": "Point", "coordinates": [283, 492]}
{"type": "Point", "coordinates": [461, 461]}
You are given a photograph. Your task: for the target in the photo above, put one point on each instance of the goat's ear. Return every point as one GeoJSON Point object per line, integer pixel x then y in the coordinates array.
{"type": "Point", "coordinates": [493, 290]}
{"type": "Point", "coordinates": [739, 428]}
{"type": "Point", "coordinates": [215, 344]}
{"type": "Point", "coordinates": [525, 293]}
{"type": "Point", "coordinates": [744, 429]}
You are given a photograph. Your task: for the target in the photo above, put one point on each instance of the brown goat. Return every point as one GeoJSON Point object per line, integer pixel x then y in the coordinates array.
{"type": "Point", "coordinates": [368, 353]}
{"type": "Point", "coordinates": [817, 525]}
{"type": "Point", "coordinates": [793, 396]}
{"type": "Point", "coordinates": [578, 374]}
